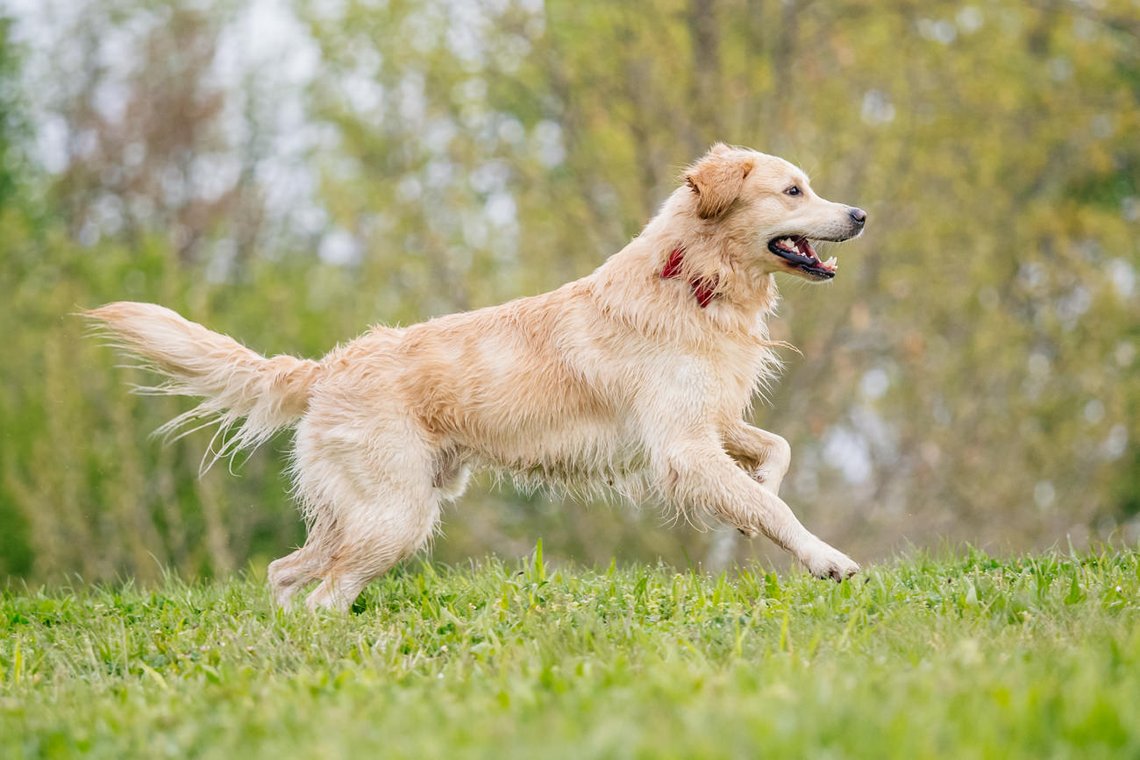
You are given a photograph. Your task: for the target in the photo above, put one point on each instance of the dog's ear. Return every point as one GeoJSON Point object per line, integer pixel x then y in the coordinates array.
{"type": "Point", "coordinates": [716, 179]}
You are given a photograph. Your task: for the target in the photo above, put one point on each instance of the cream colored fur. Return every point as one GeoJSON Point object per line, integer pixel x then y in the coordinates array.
{"type": "Point", "coordinates": [620, 380]}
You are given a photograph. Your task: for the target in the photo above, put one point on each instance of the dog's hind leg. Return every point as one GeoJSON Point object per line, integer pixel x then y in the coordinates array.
{"type": "Point", "coordinates": [290, 573]}
{"type": "Point", "coordinates": [385, 532]}
{"type": "Point", "coordinates": [397, 531]}
{"type": "Point", "coordinates": [380, 491]}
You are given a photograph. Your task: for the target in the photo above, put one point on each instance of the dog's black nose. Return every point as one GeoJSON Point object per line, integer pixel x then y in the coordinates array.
{"type": "Point", "coordinates": [858, 215]}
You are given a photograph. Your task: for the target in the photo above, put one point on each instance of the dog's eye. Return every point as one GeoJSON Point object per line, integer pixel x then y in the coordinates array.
{"type": "Point", "coordinates": [794, 190]}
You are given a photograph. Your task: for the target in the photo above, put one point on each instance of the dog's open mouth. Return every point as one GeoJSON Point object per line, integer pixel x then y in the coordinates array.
{"type": "Point", "coordinates": [797, 251]}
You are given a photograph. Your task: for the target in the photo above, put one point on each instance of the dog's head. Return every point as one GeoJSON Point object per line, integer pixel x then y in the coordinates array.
{"type": "Point", "coordinates": [769, 201]}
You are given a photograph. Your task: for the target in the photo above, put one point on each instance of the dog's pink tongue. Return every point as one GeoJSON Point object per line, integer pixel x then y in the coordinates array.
{"type": "Point", "coordinates": [804, 248]}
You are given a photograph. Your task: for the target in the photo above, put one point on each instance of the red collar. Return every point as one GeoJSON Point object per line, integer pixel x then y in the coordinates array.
{"type": "Point", "coordinates": [703, 290]}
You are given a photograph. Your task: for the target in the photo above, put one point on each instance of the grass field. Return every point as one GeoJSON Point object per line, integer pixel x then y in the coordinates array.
{"type": "Point", "coordinates": [962, 657]}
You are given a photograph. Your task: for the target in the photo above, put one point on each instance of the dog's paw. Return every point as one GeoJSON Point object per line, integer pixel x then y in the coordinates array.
{"type": "Point", "coordinates": [827, 562]}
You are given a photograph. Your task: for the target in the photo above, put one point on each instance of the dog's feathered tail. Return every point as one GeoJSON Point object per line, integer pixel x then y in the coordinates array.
{"type": "Point", "coordinates": [248, 396]}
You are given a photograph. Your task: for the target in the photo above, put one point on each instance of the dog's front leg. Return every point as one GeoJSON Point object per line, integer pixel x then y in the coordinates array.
{"type": "Point", "coordinates": [765, 455]}
{"type": "Point", "coordinates": [702, 475]}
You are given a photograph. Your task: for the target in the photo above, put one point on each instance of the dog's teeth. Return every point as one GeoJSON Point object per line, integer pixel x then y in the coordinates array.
{"type": "Point", "coordinates": [832, 263]}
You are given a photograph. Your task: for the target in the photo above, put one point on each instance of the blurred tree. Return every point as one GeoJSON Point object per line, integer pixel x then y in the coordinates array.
{"type": "Point", "coordinates": [969, 375]}
{"type": "Point", "coordinates": [16, 555]}
{"type": "Point", "coordinates": [151, 194]}
{"type": "Point", "coordinates": [13, 127]}
{"type": "Point", "coordinates": [992, 144]}
{"type": "Point", "coordinates": [147, 151]}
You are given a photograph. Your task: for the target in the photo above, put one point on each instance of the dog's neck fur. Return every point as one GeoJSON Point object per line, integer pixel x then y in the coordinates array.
{"type": "Point", "coordinates": [715, 277]}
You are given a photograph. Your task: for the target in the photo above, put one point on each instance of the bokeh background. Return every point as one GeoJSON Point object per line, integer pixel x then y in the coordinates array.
{"type": "Point", "coordinates": [289, 173]}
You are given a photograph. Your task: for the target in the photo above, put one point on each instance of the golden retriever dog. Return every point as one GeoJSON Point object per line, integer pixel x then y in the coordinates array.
{"type": "Point", "coordinates": [634, 378]}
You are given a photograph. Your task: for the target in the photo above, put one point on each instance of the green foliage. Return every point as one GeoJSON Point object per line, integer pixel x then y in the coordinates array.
{"type": "Point", "coordinates": [969, 375]}
{"type": "Point", "coordinates": [94, 494]}
{"type": "Point", "coordinates": [1037, 656]}
{"type": "Point", "coordinates": [978, 347]}
{"type": "Point", "coordinates": [13, 127]}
